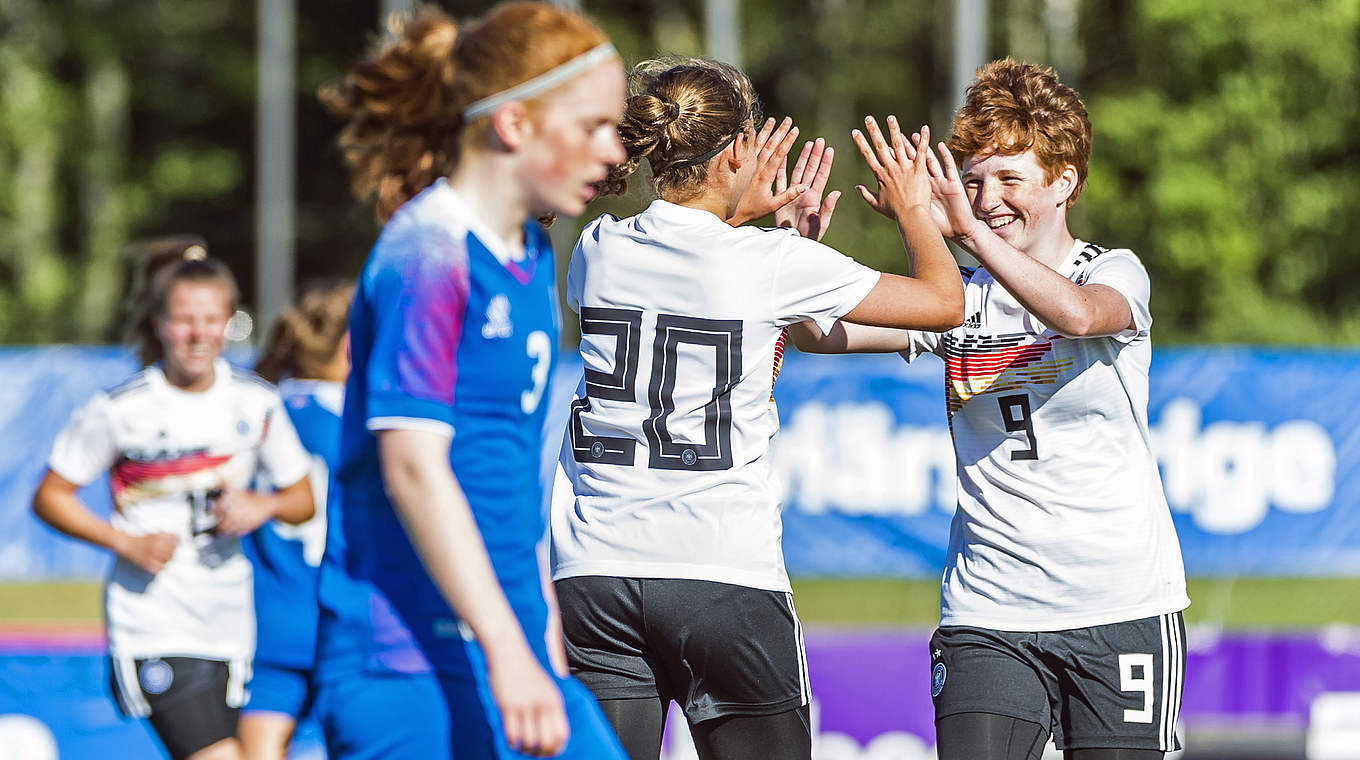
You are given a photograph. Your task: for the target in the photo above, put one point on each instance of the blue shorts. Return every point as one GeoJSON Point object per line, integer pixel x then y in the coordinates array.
{"type": "Point", "coordinates": [423, 716]}
{"type": "Point", "coordinates": [383, 715]}
{"type": "Point", "coordinates": [278, 689]}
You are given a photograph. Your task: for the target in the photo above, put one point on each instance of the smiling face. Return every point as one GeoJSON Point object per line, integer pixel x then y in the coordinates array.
{"type": "Point", "coordinates": [1011, 193]}
{"type": "Point", "coordinates": [575, 140]}
{"type": "Point", "coordinates": [193, 330]}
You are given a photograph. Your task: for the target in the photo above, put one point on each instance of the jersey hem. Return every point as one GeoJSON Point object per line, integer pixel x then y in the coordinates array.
{"type": "Point", "coordinates": [1067, 623]}
{"type": "Point", "coordinates": [133, 653]}
{"type": "Point", "coordinates": [865, 286]}
{"type": "Point", "coordinates": [60, 470]}
{"type": "Point", "coordinates": [683, 572]}
{"type": "Point", "coordinates": [438, 427]}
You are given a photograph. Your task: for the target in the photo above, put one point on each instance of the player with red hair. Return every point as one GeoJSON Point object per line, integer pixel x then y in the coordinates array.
{"type": "Point", "coordinates": [438, 632]}
{"type": "Point", "coordinates": [1060, 608]}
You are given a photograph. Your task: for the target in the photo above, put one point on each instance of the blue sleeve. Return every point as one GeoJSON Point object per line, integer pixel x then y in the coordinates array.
{"type": "Point", "coordinates": [418, 299]}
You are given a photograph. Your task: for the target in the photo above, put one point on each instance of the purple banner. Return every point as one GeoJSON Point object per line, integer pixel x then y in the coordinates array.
{"type": "Point", "coordinates": [871, 692]}
{"type": "Point", "coordinates": [871, 695]}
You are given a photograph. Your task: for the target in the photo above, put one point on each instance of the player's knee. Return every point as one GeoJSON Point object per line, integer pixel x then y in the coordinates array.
{"type": "Point", "coordinates": [225, 749]}
{"type": "Point", "coordinates": [265, 736]}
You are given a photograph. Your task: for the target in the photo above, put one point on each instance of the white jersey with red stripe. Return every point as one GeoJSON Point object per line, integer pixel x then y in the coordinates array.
{"type": "Point", "coordinates": [1061, 519]}
{"type": "Point", "coordinates": [682, 322]}
{"type": "Point", "coordinates": [169, 454]}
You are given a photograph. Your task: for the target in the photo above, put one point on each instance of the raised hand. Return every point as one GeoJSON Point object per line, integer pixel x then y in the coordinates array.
{"type": "Point", "coordinates": [152, 551]}
{"type": "Point", "coordinates": [772, 145]}
{"type": "Point", "coordinates": [950, 207]}
{"type": "Point", "coordinates": [903, 179]}
{"type": "Point", "coordinates": [531, 707]}
{"type": "Point", "coordinates": [809, 213]}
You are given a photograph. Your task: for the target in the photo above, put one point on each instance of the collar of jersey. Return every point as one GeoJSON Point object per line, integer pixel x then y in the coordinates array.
{"type": "Point", "coordinates": [328, 393]}
{"type": "Point", "coordinates": [458, 209]}
{"type": "Point", "coordinates": [1069, 265]}
{"type": "Point", "coordinates": [221, 371]}
{"type": "Point", "coordinates": [666, 209]}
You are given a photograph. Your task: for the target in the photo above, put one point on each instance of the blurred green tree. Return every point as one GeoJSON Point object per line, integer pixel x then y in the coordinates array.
{"type": "Point", "coordinates": [1227, 154]}
{"type": "Point", "coordinates": [1226, 147]}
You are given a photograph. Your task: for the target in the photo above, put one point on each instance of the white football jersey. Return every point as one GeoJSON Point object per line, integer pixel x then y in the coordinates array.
{"type": "Point", "coordinates": [169, 453]}
{"type": "Point", "coordinates": [1061, 520]}
{"type": "Point", "coordinates": [682, 321]}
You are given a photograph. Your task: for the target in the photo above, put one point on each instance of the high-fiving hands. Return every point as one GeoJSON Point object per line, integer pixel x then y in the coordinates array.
{"type": "Point", "coordinates": [950, 207]}
{"type": "Point", "coordinates": [772, 145]}
{"type": "Point", "coordinates": [809, 213]}
{"type": "Point", "coordinates": [903, 178]}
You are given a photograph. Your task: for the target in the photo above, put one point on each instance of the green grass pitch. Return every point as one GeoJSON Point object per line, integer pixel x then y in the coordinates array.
{"type": "Point", "coordinates": [1230, 603]}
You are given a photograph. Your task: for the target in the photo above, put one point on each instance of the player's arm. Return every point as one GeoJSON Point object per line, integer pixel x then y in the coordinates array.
{"type": "Point", "coordinates": [1072, 310]}
{"type": "Point", "coordinates": [1076, 311]}
{"type": "Point", "coordinates": [848, 338]}
{"type": "Point", "coordinates": [439, 522]}
{"type": "Point", "coordinates": [932, 298]}
{"type": "Point", "coordinates": [553, 636]}
{"type": "Point", "coordinates": [55, 503]}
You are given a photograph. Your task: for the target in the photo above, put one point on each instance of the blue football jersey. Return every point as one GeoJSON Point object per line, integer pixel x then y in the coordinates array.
{"type": "Point", "coordinates": [285, 557]}
{"type": "Point", "coordinates": [445, 337]}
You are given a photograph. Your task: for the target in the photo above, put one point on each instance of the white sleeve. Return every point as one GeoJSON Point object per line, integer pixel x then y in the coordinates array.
{"type": "Point", "coordinates": [1122, 271]}
{"type": "Point", "coordinates": [922, 342]}
{"type": "Point", "coordinates": [282, 456]}
{"type": "Point", "coordinates": [816, 282]}
{"type": "Point", "coordinates": [576, 269]}
{"type": "Point", "coordinates": [85, 448]}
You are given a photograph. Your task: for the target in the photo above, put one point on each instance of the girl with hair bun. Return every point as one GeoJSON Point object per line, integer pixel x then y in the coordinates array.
{"type": "Point", "coordinates": [666, 540]}
{"type": "Point", "coordinates": [438, 631]}
{"type": "Point", "coordinates": [307, 355]}
{"type": "Point", "coordinates": [182, 441]}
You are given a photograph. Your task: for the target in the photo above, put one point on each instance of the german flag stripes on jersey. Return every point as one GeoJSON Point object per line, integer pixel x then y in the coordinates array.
{"type": "Point", "coordinates": [1060, 502]}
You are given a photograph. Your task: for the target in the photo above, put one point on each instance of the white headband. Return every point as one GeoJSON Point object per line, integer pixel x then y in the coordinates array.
{"type": "Point", "coordinates": [541, 83]}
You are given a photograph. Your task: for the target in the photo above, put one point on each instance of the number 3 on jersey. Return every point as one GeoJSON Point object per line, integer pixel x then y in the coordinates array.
{"type": "Point", "coordinates": [539, 349]}
{"type": "Point", "coordinates": [672, 331]}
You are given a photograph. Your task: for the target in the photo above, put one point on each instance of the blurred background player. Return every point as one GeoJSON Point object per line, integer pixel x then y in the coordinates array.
{"type": "Point", "coordinates": [181, 440]}
{"type": "Point", "coordinates": [667, 561]}
{"type": "Point", "coordinates": [307, 355]}
{"type": "Point", "coordinates": [434, 634]}
{"type": "Point", "coordinates": [1060, 609]}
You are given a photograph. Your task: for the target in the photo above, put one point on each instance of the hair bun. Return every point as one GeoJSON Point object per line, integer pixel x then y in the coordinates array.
{"type": "Point", "coordinates": [672, 110]}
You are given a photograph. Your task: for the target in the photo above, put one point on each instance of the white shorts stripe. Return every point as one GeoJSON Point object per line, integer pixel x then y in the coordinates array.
{"type": "Point", "coordinates": [127, 689]}
{"type": "Point", "coordinates": [1163, 621]}
{"type": "Point", "coordinates": [804, 684]}
{"type": "Point", "coordinates": [1178, 675]}
{"type": "Point", "coordinates": [1173, 677]}
{"type": "Point", "coordinates": [238, 675]}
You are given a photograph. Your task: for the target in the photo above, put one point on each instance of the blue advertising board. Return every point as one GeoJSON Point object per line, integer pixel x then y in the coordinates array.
{"type": "Point", "coordinates": [1259, 452]}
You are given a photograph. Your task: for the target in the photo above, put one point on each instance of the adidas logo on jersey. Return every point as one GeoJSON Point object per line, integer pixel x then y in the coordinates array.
{"type": "Point", "coordinates": [973, 322]}
{"type": "Point", "coordinates": [498, 323]}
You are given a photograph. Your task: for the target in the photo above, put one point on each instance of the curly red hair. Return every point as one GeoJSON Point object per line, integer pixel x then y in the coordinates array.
{"type": "Point", "coordinates": [1012, 107]}
{"type": "Point", "coordinates": [404, 102]}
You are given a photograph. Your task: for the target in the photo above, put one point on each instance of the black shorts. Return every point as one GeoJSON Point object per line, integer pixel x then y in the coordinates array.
{"type": "Point", "coordinates": [192, 703]}
{"type": "Point", "coordinates": [1115, 686]}
{"type": "Point", "coordinates": [715, 648]}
